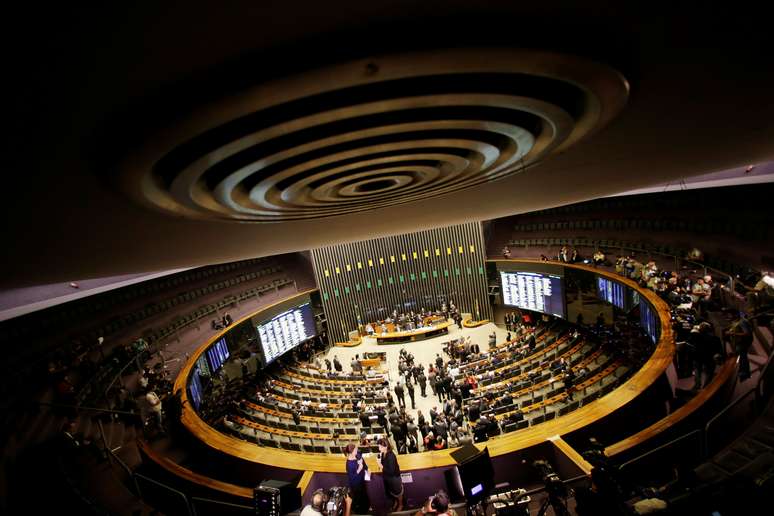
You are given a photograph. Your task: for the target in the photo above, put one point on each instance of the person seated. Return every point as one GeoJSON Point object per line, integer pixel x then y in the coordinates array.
{"type": "Point", "coordinates": [437, 504]}
{"type": "Point", "coordinates": [319, 500]}
{"type": "Point", "coordinates": [464, 437]}
{"type": "Point", "coordinates": [481, 430]}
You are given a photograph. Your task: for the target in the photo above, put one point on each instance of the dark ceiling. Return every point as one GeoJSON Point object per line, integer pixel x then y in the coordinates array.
{"type": "Point", "coordinates": [93, 88]}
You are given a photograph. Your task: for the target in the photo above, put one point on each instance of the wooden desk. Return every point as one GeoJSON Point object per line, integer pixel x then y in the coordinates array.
{"type": "Point", "coordinates": [304, 417]}
{"type": "Point", "coordinates": [314, 392]}
{"type": "Point", "coordinates": [280, 431]}
{"type": "Point", "coordinates": [370, 363]}
{"type": "Point", "coordinates": [353, 383]}
{"type": "Point", "coordinates": [470, 323]}
{"type": "Point", "coordinates": [413, 335]}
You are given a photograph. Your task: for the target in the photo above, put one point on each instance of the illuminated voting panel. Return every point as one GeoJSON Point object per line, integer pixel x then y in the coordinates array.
{"type": "Point", "coordinates": [533, 291]}
{"type": "Point", "coordinates": [286, 330]}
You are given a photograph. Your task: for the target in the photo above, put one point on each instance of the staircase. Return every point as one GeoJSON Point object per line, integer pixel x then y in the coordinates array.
{"type": "Point", "coordinates": [36, 476]}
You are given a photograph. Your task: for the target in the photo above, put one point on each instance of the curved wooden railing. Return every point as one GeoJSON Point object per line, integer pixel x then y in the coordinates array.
{"type": "Point", "coordinates": [500, 445]}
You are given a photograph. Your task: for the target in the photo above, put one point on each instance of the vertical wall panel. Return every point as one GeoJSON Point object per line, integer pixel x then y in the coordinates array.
{"type": "Point", "coordinates": [365, 293]}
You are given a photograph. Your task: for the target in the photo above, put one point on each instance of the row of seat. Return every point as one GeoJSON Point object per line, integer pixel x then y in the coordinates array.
{"type": "Point", "coordinates": [580, 354]}
{"type": "Point", "coordinates": [541, 336]}
{"type": "Point", "coordinates": [341, 379]}
{"type": "Point", "coordinates": [724, 226]}
{"type": "Point", "coordinates": [93, 305]}
{"type": "Point", "coordinates": [184, 320]}
{"type": "Point", "coordinates": [123, 321]}
{"type": "Point", "coordinates": [33, 328]}
{"type": "Point", "coordinates": [665, 202]}
{"type": "Point", "coordinates": [529, 362]}
{"type": "Point", "coordinates": [267, 440]}
{"type": "Point", "coordinates": [716, 262]}
{"type": "Point", "coordinates": [545, 407]}
{"type": "Point", "coordinates": [280, 430]}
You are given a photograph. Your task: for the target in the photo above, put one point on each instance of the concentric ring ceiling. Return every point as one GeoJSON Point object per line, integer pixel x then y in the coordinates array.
{"type": "Point", "coordinates": [375, 133]}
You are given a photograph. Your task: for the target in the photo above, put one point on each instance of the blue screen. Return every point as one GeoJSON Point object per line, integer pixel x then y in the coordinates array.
{"type": "Point", "coordinates": [648, 320]}
{"type": "Point", "coordinates": [195, 388]}
{"type": "Point", "coordinates": [612, 292]}
{"type": "Point", "coordinates": [217, 354]}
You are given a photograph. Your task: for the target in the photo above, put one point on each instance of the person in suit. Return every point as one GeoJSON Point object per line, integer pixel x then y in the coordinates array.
{"type": "Point", "coordinates": [440, 388]}
{"type": "Point", "coordinates": [422, 380]}
{"type": "Point", "coordinates": [399, 393]}
{"type": "Point", "coordinates": [410, 389]}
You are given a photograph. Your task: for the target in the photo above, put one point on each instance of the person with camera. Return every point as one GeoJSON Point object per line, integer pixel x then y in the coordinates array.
{"type": "Point", "coordinates": [319, 505]}
{"type": "Point", "coordinates": [437, 504]}
{"type": "Point", "coordinates": [357, 473]}
{"type": "Point", "coordinates": [393, 484]}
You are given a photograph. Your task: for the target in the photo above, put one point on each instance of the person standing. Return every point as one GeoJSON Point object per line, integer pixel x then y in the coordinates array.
{"type": "Point", "coordinates": [337, 365]}
{"type": "Point", "coordinates": [400, 395]}
{"type": "Point", "coordinates": [356, 475]}
{"type": "Point", "coordinates": [431, 379]}
{"type": "Point", "coordinates": [356, 366]}
{"type": "Point", "coordinates": [422, 380]}
{"type": "Point", "coordinates": [393, 485]}
{"type": "Point", "coordinates": [410, 389]}
{"type": "Point", "coordinates": [740, 336]}
{"type": "Point", "coordinates": [439, 387]}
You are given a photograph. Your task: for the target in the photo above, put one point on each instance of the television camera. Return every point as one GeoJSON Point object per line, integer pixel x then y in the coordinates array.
{"type": "Point", "coordinates": [557, 491]}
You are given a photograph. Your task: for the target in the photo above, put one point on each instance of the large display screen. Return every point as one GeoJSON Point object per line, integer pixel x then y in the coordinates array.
{"type": "Point", "coordinates": [612, 292]}
{"type": "Point", "coordinates": [533, 291]}
{"type": "Point", "coordinates": [217, 354]}
{"type": "Point", "coordinates": [286, 330]}
{"type": "Point", "coordinates": [648, 320]}
{"type": "Point", "coordinates": [195, 388]}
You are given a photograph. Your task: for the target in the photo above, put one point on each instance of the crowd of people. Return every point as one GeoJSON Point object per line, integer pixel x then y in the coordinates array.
{"type": "Point", "coordinates": [409, 321]}
{"type": "Point", "coordinates": [701, 346]}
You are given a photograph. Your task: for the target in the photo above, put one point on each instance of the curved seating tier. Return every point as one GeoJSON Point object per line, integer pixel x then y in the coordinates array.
{"type": "Point", "coordinates": [543, 401]}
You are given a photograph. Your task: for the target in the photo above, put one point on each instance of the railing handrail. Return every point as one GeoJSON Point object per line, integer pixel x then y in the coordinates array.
{"type": "Point", "coordinates": [219, 502]}
{"type": "Point", "coordinates": [728, 407]}
{"type": "Point", "coordinates": [182, 495]}
{"type": "Point", "coordinates": [658, 448]}
{"type": "Point", "coordinates": [763, 372]}
{"type": "Point", "coordinates": [80, 407]}
{"type": "Point", "coordinates": [127, 469]}
{"type": "Point", "coordinates": [121, 371]}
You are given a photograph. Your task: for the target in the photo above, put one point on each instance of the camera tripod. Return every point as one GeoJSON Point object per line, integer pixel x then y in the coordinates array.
{"type": "Point", "coordinates": [556, 503]}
